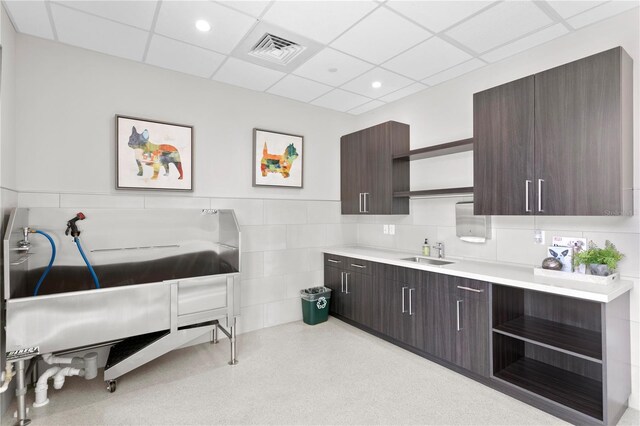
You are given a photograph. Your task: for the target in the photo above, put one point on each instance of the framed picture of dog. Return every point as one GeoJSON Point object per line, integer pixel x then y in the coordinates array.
{"type": "Point", "coordinates": [278, 159]}
{"type": "Point", "coordinates": [153, 155]}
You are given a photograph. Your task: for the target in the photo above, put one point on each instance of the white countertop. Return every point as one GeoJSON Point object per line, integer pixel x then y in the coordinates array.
{"type": "Point", "coordinates": [498, 273]}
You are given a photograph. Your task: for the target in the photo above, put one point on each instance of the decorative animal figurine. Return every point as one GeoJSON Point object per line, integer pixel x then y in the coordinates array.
{"type": "Point", "coordinates": [272, 163]}
{"type": "Point", "coordinates": [154, 155]}
{"type": "Point", "coordinates": [562, 254]}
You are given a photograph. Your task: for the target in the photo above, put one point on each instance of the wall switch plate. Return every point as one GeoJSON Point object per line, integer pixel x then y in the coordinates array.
{"type": "Point", "coordinates": [392, 229]}
{"type": "Point", "coordinates": [385, 229]}
{"type": "Point", "coordinates": [538, 236]}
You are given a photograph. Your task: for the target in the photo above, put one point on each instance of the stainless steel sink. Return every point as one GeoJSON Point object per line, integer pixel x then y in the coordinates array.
{"type": "Point", "coordinates": [429, 260]}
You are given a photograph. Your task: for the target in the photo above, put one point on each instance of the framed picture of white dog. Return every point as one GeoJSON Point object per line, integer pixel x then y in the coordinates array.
{"type": "Point", "coordinates": [153, 155]}
{"type": "Point", "coordinates": [277, 159]}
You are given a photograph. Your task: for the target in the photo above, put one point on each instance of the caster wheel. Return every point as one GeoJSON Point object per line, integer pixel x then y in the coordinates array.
{"type": "Point", "coordinates": [111, 386]}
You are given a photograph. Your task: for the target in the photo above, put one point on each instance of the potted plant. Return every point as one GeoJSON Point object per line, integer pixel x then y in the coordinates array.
{"type": "Point", "coordinates": [601, 261]}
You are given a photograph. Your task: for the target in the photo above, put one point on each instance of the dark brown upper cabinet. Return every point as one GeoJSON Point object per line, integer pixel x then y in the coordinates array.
{"type": "Point", "coordinates": [558, 142]}
{"type": "Point", "coordinates": [368, 173]}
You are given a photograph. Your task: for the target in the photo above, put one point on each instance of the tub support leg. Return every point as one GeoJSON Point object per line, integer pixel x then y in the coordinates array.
{"type": "Point", "coordinates": [21, 392]}
{"type": "Point", "coordinates": [232, 340]}
{"type": "Point", "coordinates": [214, 334]}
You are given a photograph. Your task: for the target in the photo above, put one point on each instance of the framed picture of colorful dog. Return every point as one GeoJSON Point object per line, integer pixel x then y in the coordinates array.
{"type": "Point", "coordinates": [277, 159]}
{"type": "Point", "coordinates": [153, 155]}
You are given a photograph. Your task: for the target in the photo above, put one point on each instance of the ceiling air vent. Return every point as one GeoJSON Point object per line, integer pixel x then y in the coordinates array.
{"type": "Point", "coordinates": [276, 49]}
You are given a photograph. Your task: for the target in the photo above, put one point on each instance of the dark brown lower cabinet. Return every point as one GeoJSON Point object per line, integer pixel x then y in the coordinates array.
{"type": "Point", "coordinates": [569, 357]}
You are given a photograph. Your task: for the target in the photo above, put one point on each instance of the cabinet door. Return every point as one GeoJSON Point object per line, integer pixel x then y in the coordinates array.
{"type": "Point", "coordinates": [439, 315]}
{"type": "Point", "coordinates": [333, 280]}
{"type": "Point", "coordinates": [360, 287]}
{"type": "Point", "coordinates": [350, 173]}
{"type": "Point", "coordinates": [472, 325]}
{"type": "Point", "coordinates": [578, 137]}
{"type": "Point", "coordinates": [503, 144]}
{"type": "Point", "coordinates": [376, 171]}
{"type": "Point", "coordinates": [393, 307]}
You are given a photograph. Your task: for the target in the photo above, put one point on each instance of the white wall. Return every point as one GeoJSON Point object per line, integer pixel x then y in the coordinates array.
{"type": "Point", "coordinates": [445, 113]}
{"type": "Point", "coordinates": [65, 121]}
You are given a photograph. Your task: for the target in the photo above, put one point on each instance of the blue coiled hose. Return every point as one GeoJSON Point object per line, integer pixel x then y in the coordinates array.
{"type": "Point", "coordinates": [93, 273]}
{"type": "Point", "coordinates": [53, 257]}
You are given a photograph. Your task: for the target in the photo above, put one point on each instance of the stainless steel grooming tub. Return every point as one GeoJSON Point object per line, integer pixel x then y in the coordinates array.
{"type": "Point", "coordinates": [169, 276]}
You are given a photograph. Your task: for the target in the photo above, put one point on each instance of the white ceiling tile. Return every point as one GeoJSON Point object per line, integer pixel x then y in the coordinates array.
{"type": "Point", "coordinates": [390, 83]}
{"type": "Point", "coordinates": [177, 20]}
{"type": "Point", "coordinates": [246, 74]}
{"type": "Point", "coordinates": [437, 15]}
{"type": "Point", "coordinates": [178, 56]}
{"type": "Point", "coordinates": [136, 13]}
{"type": "Point", "coordinates": [399, 94]}
{"type": "Point", "coordinates": [318, 20]}
{"type": "Point", "coordinates": [253, 8]}
{"type": "Point", "coordinates": [499, 24]}
{"type": "Point", "coordinates": [380, 36]}
{"type": "Point", "coordinates": [88, 31]}
{"type": "Point", "coordinates": [428, 58]}
{"type": "Point", "coordinates": [340, 100]}
{"type": "Point", "coordinates": [525, 43]}
{"type": "Point", "coordinates": [345, 67]}
{"type": "Point", "coordinates": [299, 88]}
{"type": "Point", "coordinates": [30, 17]}
{"type": "Point", "coordinates": [567, 9]}
{"type": "Point", "coordinates": [366, 107]}
{"type": "Point", "coordinates": [601, 12]}
{"type": "Point", "coordinates": [454, 72]}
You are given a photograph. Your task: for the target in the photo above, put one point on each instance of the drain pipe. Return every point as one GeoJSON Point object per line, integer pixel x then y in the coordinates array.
{"type": "Point", "coordinates": [89, 371]}
{"type": "Point", "coordinates": [62, 373]}
{"type": "Point", "coordinates": [41, 387]}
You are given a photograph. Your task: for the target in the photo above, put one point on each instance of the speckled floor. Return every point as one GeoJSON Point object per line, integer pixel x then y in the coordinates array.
{"type": "Point", "coordinates": [331, 373]}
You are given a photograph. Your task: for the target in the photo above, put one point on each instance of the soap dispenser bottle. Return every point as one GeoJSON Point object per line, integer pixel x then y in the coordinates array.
{"type": "Point", "coordinates": [426, 249]}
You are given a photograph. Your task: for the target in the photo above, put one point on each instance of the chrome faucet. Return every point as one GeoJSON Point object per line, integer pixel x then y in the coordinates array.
{"type": "Point", "coordinates": [24, 244]}
{"type": "Point", "coordinates": [440, 247]}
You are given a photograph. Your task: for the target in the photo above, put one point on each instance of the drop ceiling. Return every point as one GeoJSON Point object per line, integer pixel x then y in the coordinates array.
{"type": "Point", "coordinates": [407, 46]}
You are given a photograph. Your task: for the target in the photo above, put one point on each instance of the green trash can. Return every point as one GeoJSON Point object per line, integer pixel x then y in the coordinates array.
{"type": "Point", "coordinates": [315, 304]}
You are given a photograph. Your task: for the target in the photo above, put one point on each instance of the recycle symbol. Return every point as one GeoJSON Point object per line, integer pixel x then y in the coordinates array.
{"type": "Point", "coordinates": [321, 303]}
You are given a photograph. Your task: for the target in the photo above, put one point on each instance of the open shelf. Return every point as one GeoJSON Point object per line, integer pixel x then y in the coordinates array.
{"type": "Point", "coordinates": [578, 392]}
{"type": "Point", "coordinates": [437, 150]}
{"type": "Point", "coordinates": [428, 192]}
{"type": "Point", "coordinates": [574, 340]}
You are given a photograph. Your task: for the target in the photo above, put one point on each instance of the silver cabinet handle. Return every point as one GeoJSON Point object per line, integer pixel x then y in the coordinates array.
{"type": "Point", "coordinates": [366, 202]}
{"type": "Point", "coordinates": [527, 207]}
{"type": "Point", "coordinates": [411, 290]}
{"type": "Point", "coordinates": [458, 302]}
{"type": "Point", "coordinates": [341, 282]}
{"type": "Point", "coordinates": [403, 309]}
{"type": "Point", "coordinates": [360, 202]}
{"type": "Point", "coordinates": [475, 290]}
{"type": "Point", "coordinates": [334, 261]}
{"type": "Point", "coordinates": [346, 283]}
{"type": "Point", "coordinates": [355, 265]}
{"type": "Point", "coordinates": [540, 181]}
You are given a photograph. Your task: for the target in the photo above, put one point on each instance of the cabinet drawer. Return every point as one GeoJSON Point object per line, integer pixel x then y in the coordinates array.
{"type": "Point", "coordinates": [358, 265]}
{"type": "Point", "coordinates": [335, 261]}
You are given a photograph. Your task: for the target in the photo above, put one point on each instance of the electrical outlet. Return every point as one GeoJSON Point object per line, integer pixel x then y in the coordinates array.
{"type": "Point", "coordinates": [538, 236]}
{"type": "Point", "coordinates": [392, 229]}
{"type": "Point", "coordinates": [385, 229]}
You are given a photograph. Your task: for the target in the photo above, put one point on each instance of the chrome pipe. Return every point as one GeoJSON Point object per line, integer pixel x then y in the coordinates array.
{"type": "Point", "coordinates": [232, 339]}
{"type": "Point", "coordinates": [21, 392]}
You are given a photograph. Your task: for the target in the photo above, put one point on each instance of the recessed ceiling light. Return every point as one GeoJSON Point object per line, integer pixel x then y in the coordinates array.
{"type": "Point", "coordinates": [332, 69]}
{"type": "Point", "coordinates": [203, 25]}
{"type": "Point", "coordinates": [376, 85]}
